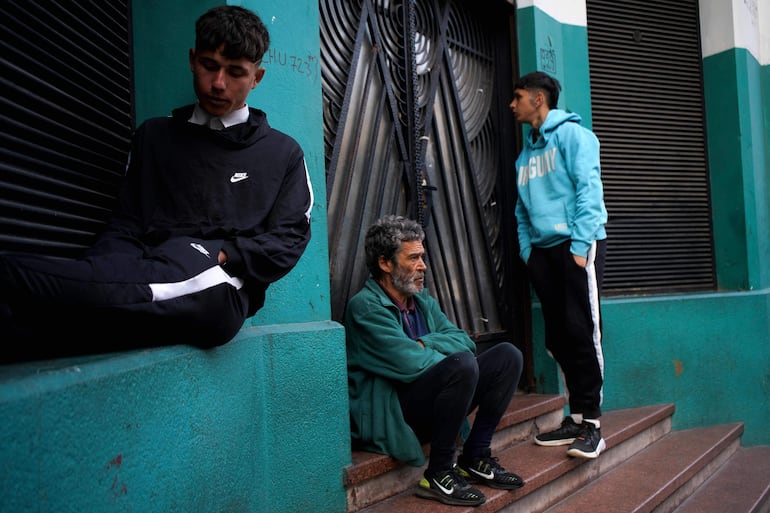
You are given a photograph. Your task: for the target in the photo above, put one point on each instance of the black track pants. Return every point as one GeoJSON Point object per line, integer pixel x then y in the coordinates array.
{"type": "Point", "coordinates": [132, 297]}
{"type": "Point", "coordinates": [569, 295]}
{"type": "Point", "coordinates": [436, 404]}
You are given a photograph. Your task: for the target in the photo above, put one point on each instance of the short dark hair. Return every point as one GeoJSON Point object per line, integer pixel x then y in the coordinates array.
{"type": "Point", "coordinates": [539, 80]}
{"type": "Point", "coordinates": [239, 30]}
{"type": "Point", "coordinates": [384, 239]}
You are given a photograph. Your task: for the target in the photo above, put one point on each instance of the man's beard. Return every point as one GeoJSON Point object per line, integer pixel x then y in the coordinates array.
{"type": "Point", "coordinates": [405, 282]}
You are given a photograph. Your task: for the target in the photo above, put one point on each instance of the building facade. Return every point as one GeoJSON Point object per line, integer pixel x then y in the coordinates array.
{"type": "Point", "coordinates": [177, 429]}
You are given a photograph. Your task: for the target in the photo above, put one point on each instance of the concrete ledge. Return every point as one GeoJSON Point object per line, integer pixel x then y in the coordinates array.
{"type": "Point", "coordinates": [231, 429]}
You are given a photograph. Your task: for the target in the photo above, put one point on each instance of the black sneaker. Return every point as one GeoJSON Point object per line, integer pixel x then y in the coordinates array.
{"type": "Point", "coordinates": [450, 487]}
{"type": "Point", "coordinates": [485, 470]}
{"type": "Point", "coordinates": [589, 443]}
{"type": "Point", "coordinates": [563, 435]}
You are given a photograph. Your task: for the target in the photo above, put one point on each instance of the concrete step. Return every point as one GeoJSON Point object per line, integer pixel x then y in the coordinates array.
{"type": "Point", "coordinates": [385, 486]}
{"type": "Point", "coordinates": [741, 485]}
{"type": "Point", "coordinates": [646, 468]}
{"type": "Point", "coordinates": [657, 478]}
{"type": "Point", "coordinates": [372, 478]}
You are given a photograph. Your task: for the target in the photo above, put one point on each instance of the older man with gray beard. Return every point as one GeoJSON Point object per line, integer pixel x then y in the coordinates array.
{"type": "Point", "coordinates": [414, 377]}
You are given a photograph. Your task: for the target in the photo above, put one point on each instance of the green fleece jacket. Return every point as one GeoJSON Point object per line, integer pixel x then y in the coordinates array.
{"type": "Point", "coordinates": [380, 353]}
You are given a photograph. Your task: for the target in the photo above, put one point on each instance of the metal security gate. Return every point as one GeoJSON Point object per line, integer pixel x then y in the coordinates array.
{"type": "Point", "coordinates": [647, 105]}
{"type": "Point", "coordinates": [415, 102]}
{"type": "Point", "coordinates": [66, 120]}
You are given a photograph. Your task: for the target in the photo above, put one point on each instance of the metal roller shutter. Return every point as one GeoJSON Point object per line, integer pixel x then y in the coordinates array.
{"type": "Point", "coordinates": [647, 108]}
{"type": "Point", "coordinates": [66, 120]}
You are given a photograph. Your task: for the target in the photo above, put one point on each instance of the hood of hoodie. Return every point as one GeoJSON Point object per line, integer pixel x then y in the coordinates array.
{"type": "Point", "coordinates": [554, 118]}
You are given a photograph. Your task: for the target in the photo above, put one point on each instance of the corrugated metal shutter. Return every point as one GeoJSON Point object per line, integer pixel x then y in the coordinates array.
{"type": "Point", "coordinates": [66, 120]}
{"type": "Point", "coordinates": [647, 108]}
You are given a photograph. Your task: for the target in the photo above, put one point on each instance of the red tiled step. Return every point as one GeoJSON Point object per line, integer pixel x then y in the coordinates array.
{"type": "Point", "coordinates": [541, 466]}
{"type": "Point", "coordinates": [650, 477]}
{"type": "Point", "coordinates": [374, 477]}
{"type": "Point", "coordinates": [523, 407]}
{"type": "Point", "coordinates": [741, 485]}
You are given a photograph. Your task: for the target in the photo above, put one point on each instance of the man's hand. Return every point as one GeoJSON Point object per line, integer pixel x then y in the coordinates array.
{"type": "Point", "coordinates": [579, 260]}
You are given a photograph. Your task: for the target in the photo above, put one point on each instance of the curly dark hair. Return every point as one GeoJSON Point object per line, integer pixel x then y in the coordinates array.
{"type": "Point", "coordinates": [239, 30]}
{"type": "Point", "coordinates": [384, 239]}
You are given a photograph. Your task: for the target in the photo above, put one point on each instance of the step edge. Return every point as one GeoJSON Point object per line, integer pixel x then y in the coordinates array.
{"type": "Point", "coordinates": [535, 405]}
{"type": "Point", "coordinates": [725, 435]}
{"type": "Point", "coordinates": [703, 498]}
{"type": "Point", "coordinates": [540, 487]}
{"type": "Point", "coordinates": [648, 418]}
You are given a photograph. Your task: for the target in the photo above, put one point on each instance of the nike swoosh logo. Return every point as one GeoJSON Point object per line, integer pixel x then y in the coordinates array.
{"type": "Point", "coordinates": [448, 491]}
{"type": "Point", "coordinates": [200, 248]}
{"type": "Point", "coordinates": [238, 177]}
{"type": "Point", "coordinates": [487, 475]}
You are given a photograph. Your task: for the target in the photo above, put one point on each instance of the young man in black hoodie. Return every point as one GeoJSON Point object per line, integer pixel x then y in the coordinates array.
{"type": "Point", "coordinates": [215, 206]}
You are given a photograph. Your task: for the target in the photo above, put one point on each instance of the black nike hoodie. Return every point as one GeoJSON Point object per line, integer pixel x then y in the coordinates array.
{"type": "Point", "coordinates": [246, 188]}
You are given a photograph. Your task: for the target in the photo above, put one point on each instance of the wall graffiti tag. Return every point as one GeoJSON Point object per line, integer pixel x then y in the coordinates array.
{"type": "Point", "coordinates": [548, 57]}
{"type": "Point", "coordinates": [307, 66]}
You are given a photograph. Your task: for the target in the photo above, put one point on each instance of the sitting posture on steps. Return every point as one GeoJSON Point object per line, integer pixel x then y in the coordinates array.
{"type": "Point", "coordinates": [414, 377]}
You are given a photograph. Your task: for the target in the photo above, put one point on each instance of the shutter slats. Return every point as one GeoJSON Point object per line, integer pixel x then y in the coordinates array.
{"type": "Point", "coordinates": [647, 110]}
{"type": "Point", "coordinates": [66, 120]}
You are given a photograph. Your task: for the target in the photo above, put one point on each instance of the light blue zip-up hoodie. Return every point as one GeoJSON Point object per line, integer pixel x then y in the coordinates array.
{"type": "Point", "coordinates": [560, 190]}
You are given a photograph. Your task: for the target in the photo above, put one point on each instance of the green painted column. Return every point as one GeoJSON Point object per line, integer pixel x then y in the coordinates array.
{"type": "Point", "coordinates": [737, 92]}
{"type": "Point", "coordinates": [552, 37]}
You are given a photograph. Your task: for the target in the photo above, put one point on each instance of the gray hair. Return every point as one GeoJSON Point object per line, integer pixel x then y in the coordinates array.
{"type": "Point", "coordinates": [384, 239]}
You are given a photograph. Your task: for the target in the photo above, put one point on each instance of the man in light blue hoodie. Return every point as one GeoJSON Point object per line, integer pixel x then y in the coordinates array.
{"type": "Point", "coordinates": [561, 216]}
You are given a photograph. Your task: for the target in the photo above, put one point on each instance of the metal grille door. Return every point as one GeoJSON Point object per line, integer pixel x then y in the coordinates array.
{"type": "Point", "coordinates": [415, 96]}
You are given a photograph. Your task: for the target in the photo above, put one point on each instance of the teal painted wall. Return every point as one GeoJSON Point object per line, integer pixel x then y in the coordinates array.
{"type": "Point", "coordinates": [179, 429]}
{"type": "Point", "coordinates": [707, 353]}
{"type": "Point", "coordinates": [560, 50]}
{"type": "Point", "coordinates": [764, 92]}
{"type": "Point", "coordinates": [724, 143]}
{"type": "Point", "coordinates": [176, 429]}
{"type": "Point", "coordinates": [738, 158]}
{"type": "Point", "coordinates": [290, 94]}
{"type": "Point", "coordinates": [163, 34]}
{"type": "Point", "coordinates": [259, 425]}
